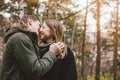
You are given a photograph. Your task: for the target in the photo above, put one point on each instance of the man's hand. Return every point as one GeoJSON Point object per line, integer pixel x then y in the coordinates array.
{"type": "Point", "coordinates": [57, 48]}
{"type": "Point", "coordinates": [60, 46]}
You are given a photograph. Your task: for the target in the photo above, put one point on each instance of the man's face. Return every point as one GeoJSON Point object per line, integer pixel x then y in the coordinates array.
{"type": "Point", "coordinates": [34, 26]}
{"type": "Point", "coordinates": [45, 32]}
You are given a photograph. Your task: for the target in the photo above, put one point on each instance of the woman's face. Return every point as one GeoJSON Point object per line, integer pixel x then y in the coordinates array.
{"type": "Point", "coordinates": [45, 33]}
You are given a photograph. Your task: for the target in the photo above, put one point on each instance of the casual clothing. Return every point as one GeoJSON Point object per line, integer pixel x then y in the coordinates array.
{"type": "Point", "coordinates": [20, 57]}
{"type": "Point", "coordinates": [63, 69]}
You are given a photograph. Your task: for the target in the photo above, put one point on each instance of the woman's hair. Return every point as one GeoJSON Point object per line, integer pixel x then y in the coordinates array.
{"type": "Point", "coordinates": [56, 29]}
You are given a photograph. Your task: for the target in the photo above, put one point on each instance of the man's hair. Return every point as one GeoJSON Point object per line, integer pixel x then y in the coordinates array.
{"type": "Point", "coordinates": [26, 17]}
{"type": "Point", "coordinates": [24, 20]}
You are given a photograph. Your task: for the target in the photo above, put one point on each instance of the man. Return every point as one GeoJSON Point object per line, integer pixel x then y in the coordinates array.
{"type": "Point", "coordinates": [20, 57]}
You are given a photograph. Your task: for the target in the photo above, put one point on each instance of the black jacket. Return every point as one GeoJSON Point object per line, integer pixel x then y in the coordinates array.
{"type": "Point", "coordinates": [20, 59]}
{"type": "Point", "coordinates": [63, 69]}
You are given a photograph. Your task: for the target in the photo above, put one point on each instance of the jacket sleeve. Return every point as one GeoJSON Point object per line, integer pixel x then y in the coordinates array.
{"type": "Point", "coordinates": [27, 59]}
{"type": "Point", "coordinates": [70, 72]}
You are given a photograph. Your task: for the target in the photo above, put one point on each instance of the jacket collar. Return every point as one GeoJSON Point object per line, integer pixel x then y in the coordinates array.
{"type": "Point", "coordinates": [10, 33]}
{"type": "Point", "coordinates": [31, 35]}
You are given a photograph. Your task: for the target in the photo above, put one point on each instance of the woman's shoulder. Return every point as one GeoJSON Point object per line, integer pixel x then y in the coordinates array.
{"type": "Point", "coordinates": [69, 54]}
{"type": "Point", "coordinates": [69, 50]}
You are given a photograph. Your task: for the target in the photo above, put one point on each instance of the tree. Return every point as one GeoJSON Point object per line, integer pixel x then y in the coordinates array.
{"type": "Point", "coordinates": [97, 76]}
{"type": "Point", "coordinates": [116, 44]}
{"type": "Point", "coordinates": [83, 45]}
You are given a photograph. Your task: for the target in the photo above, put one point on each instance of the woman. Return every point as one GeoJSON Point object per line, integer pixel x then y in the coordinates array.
{"type": "Point", "coordinates": [64, 69]}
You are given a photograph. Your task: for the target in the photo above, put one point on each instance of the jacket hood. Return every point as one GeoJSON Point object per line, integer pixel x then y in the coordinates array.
{"type": "Point", "coordinates": [10, 33]}
{"type": "Point", "coordinates": [31, 35]}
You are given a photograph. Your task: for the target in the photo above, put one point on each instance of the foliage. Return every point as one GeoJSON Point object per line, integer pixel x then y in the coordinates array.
{"type": "Point", "coordinates": [106, 76]}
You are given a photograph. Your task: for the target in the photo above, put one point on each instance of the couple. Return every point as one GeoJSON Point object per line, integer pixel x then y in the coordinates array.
{"type": "Point", "coordinates": [24, 59]}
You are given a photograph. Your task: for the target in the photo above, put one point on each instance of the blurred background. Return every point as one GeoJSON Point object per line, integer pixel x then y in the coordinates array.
{"type": "Point", "coordinates": [91, 30]}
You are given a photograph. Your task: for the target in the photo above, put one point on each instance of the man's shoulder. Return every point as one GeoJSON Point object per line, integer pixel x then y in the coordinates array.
{"type": "Point", "coordinates": [19, 36]}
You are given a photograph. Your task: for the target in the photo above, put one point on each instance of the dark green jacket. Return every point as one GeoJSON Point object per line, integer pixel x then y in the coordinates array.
{"type": "Point", "coordinates": [20, 60]}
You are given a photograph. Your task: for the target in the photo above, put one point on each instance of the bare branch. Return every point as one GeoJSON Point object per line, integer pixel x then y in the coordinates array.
{"type": "Point", "coordinates": [78, 11]}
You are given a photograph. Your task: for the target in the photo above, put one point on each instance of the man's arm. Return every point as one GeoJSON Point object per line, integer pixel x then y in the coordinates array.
{"type": "Point", "coordinates": [27, 59]}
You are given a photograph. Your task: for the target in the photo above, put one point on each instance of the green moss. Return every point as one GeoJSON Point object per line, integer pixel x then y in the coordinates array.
{"type": "Point", "coordinates": [106, 76]}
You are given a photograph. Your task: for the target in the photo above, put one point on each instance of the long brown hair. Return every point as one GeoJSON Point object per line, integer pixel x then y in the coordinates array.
{"type": "Point", "coordinates": [57, 33]}
{"type": "Point", "coordinates": [56, 29]}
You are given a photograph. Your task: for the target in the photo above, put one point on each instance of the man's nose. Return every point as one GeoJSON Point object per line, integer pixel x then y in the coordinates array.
{"type": "Point", "coordinates": [41, 29]}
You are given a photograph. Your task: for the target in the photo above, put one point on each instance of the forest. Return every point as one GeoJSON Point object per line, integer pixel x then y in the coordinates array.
{"type": "Point", "coordinates": [91, 30]}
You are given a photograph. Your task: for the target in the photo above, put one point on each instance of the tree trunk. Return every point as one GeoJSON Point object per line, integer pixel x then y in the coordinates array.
{"type": "Point", "coordinates": [83, 45]}
{"type": "Point", "coordinates": [116, 44]}
{"type": "Point", "coordinates": [72, 37]}
{"type": "Point", "coordinates": [48, 7]}
{"type": "Point", "coordinates": [37, 11]}
{"type": "Point", "coordinates": [97, 76]}
{"type": "Point", "coordinates": [22, 5]}
{"type": "Point", "coordinates": [55, 10]}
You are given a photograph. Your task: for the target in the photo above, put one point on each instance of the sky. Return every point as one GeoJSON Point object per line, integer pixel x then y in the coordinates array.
{"type": "Point", "coordinates": [104, 17]}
